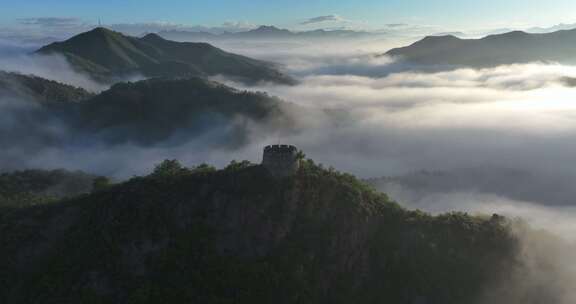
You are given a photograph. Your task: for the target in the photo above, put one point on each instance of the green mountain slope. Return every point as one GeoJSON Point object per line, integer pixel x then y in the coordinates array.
{"type": "Point", "coordinates": [32, 187]}
{"type": "Point", "coordinates": [240, 236]}
{"type": "Point", "coordinates": [44, 91]}
{"type": "Point", "coordinates": [154, 110]}
{"type": "Point", "coordinates": [508, 48]}
{"type": "Point", "coordinates": [34, 113]}
{"type": "Point", "coordinates": [107, 56]}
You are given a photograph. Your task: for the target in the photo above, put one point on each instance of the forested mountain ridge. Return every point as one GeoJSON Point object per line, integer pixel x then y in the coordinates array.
{"type": "Point", "coordinates": [44, 91]}
{"type": "Point", "coordinates": [109, 56]}
{"type": "Point", "coordinates": [154, 110]}
{"type": "Point", "coordinates": [238, 235]}
{"type": "Point", "coordinates": [143, 112]}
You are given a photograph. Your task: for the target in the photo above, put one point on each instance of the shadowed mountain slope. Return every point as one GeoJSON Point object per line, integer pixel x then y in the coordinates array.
{"type": "Point", "coordinates": [107, 55]}
{"type": "Point", "coordinates": [508, 48]}
{"type": "Point", "coordinates": [44, 91]}
{"type": "Point", "coordinates": [155, 110]}
{"type": "Point", "coordinates": [240, 236]}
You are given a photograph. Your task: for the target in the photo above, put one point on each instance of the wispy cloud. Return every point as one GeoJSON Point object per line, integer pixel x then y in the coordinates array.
{"type": "Point", "coordinates": [51, 21]}
{"type": "Point", "coordinates": [394, 25]}
{"type": "Point", "coordinates": [321, 19]}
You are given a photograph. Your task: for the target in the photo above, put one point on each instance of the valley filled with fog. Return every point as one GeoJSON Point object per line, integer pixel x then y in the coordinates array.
{"type": "Point", "coordinates": [479, 140]}
{"type": "Point", "coordinates": [399, 119]}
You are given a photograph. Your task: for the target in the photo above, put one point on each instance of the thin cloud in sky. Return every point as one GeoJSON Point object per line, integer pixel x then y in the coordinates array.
{"type": "Point", "coordinates": [51, 21]}
{"type": "Point", "coordinates": [321, 19]}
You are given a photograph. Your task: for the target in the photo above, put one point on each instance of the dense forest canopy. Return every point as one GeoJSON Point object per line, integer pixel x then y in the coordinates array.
{"type": "Point", "coordinates": [239, 235]}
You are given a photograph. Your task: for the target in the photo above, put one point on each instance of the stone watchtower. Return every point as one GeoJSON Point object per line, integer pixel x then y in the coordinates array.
{"type": "Point", "coordinates": [281, 160]}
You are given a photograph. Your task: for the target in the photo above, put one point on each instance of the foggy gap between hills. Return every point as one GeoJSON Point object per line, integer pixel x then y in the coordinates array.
{"type": "Point", "coordinates": [518, 116]}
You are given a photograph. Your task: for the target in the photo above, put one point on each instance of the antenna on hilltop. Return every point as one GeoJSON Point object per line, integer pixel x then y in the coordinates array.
{"type": "Point", "coordinates": [99, 22]}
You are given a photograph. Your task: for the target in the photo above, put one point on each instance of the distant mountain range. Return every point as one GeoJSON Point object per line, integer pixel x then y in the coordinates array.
{"type": "Point", "coordinates": [109, 56]}
{"type": "Point", "coordinates": [554, 28]}
{"type": "Point", "coordinates": [263, 32]}
{"type": "Point", "coordinates": [493, 50]}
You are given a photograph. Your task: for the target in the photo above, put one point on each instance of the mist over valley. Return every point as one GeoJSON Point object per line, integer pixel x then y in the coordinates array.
{"type": "Point", "coordinates": [410, 164]}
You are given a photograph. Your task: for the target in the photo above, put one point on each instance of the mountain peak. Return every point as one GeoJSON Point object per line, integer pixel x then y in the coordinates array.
{"type": "Point", "coordinates": [442, 38]}
{"type": "Point", "coordinates": [152, 37]}
{"type": "Point", "coordinates": [509, 35]}
{"type": "Point", "coordinates": [108, 55]}
{"type": "Point", "coordinates": [269, 29]}
{"type": "Point", "coordinates": [430, 41]}
{"type": "Point", "coordinates": [101, 31]}
{"type": "Point", "coordinates": [93, 37]}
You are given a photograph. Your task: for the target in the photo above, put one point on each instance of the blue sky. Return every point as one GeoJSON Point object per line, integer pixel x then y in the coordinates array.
{"type": "Point", "coordinates": [456, 14]}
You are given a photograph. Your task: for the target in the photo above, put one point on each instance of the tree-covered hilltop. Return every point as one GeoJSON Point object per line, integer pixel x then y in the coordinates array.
{"type": "Point", "coordinates": [108, 56]}
{"type": "Point", "coordinates": [238, 235]}
{"type": "Point", "coordinates": [42, 112]}
{"type": "Point", "coordinates": [44, 91]}
{"type": "Point", "coordinates": [33, 187]}
{"type": "Point", "coordinates": [155, 110]}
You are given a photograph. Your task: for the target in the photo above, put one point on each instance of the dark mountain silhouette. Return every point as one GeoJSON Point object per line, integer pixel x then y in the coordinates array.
{"type": "Point", "coordinates": [154, 110]}
{"type": "Point", "coordinates": [107, 55]}
{"type": "Point", "coordinates": [508, 48]}
{"type": "Point", "coordinates": [44, 112]}
{"type": "Point", "coordinates": [239, 235]}
{"type": "Point", "coordinates": [35, 111]}
{"type": "Point", "coordinates": [47, 92]}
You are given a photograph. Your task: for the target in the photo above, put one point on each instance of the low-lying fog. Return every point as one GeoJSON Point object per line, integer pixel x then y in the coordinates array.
{"type": "Point", "coordinates": [517, 117]}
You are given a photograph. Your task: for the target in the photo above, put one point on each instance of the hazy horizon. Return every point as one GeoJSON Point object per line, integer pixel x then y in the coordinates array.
{"type": "Point", "coordinates": [65, 18]}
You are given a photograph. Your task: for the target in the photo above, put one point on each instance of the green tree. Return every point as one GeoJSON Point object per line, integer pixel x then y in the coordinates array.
{"type": "Point", "coordinates": [300, 155]}
{"type": "Point", "coordinates": [169, 167]}
{"type": "Point", "coordinates": [204, 168]}
{"type": "Point", "coordinates": [234, 165]}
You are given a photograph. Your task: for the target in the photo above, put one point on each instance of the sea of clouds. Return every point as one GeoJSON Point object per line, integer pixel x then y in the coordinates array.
{"type": "Point", "coordinates": [398, 119]}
